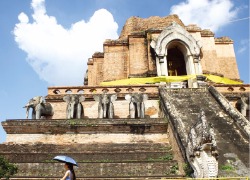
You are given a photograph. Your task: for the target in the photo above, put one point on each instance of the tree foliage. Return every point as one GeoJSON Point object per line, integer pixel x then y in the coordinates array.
{"type": "Point", "coordinates": [6, 169]}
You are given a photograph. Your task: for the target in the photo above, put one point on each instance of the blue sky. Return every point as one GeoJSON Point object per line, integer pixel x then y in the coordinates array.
{"type": "Point", "coordinates": [47, 42]}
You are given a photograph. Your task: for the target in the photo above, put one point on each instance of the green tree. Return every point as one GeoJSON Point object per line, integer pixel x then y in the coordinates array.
{"type": "Point", "coordinates": [6, 169]}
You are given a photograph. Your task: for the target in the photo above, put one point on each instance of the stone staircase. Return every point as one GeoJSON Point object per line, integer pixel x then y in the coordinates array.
{"type": "Point", "coordinates": [103, 148]}
{"type": "Point", "coordinates": [124, 148]}
{"type": "Point", "coordinates": [182, 107]}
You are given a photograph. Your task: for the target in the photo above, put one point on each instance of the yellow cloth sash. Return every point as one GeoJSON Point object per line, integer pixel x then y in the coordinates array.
{"type": "Point", "coordinates": [169, 79]}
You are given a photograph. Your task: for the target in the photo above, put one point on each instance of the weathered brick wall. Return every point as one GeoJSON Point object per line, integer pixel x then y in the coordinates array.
{"type": "Point", "coordinates": [136, 24]}
{"type": "Point", "coordinates": [138, 61]}
{"type": "Point", "coordinates": [226, 60]}
{"type": "Point", "coordinates": [85, 138]}
{"type": "Point", "coordinates": [131, 54]}
{"type": "Point", "coordinates": [218, 57]}
{"type": "Point", "coordinates": [209, 59]}
{"type": "Point", "coordinates": [59, 109]}
{"type": "Point", "coordinates": [91, 72]}
{"type": "Point", "coordinates": [93, 170]}
{"type": "Point", "coordinates": [97, 76]}
{"type": "Point", "coordinates": [151, 53]}
{"type": "Point", "coordinates": [115, 62]}
{"type": "Point", "coordinates": [175, 147]}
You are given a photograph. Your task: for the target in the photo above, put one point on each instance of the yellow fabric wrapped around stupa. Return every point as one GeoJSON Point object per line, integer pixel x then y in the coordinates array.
{"type": "Point", "coordinates": [168, 79]}
{"type": "Point", "coordinates": [221, 80]}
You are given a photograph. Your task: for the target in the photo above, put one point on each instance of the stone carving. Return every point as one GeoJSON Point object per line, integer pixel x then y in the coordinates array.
{"type": "Point", "coordinates": [243, 105]}
{"type": "Point", "coordinates": [105, 106]}
{"type": "Point", "coordinates": [136, 105]}
{"type": "Point", "coordinates": [176, 35]}
{"type": "Point", "coordinates": [175, 31]}
{"type": "Point", "coordinates": [241, 121]}
{"type": "Point", "coordinates": [202, 149]}
{"type": "Point", "coordinates": [74, 108]}
{"type": "Point", "coordinates": [201, 80]}
{"type": "Point", "coordinates": [39, 108]}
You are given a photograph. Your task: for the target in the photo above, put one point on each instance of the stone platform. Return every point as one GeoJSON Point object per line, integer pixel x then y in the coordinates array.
{"type": "Point", "coordinates": [103, 148]}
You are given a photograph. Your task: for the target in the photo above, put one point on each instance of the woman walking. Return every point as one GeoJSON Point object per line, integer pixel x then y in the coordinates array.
{"type": "Point", "coordinates": [70, 173]}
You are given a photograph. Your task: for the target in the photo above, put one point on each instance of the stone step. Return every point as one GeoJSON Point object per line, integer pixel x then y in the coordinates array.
{"type": "Point", "coordinates": [83, 126]}
{"type": "Point", "coordinates": [87, 153]}
{"type": "Point", "coordinates": [231, 140]}
{"type": "Point", "coordinates": [104, 170]}
{"type": "Point", "coordinates": [87, 138]}
{"type": "Point", "coordinates": [85, 148]}
{"type": "Point", "coordinates": [90, 157]}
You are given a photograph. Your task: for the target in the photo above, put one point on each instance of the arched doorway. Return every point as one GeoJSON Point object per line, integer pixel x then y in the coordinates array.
{"type": "Point", "coordinates": [177, 53]}
{"type": "Point", "coordinates": [175, 62]}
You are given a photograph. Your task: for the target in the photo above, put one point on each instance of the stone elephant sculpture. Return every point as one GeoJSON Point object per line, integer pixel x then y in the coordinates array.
{"type": "Point", "coordinates": [243, 105]}
{"type": "Point", "coordinates": [74, 108]}
{"type": "Point", "coordinates": [105, 106]}
{"type": "Point", "coordinates": [39, 108]}
{"type": "Point", "coordinates": [136, 105]}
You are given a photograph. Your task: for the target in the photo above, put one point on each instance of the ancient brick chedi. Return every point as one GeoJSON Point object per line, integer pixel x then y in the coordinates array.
{"type": "Point", "coordinates": [162, 47]}
{"type": "Point", "coordinates": [197, 127]}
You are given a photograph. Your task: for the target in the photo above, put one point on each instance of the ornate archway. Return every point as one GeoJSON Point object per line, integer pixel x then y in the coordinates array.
{"type": "Point", "coordinates": [175, 36]}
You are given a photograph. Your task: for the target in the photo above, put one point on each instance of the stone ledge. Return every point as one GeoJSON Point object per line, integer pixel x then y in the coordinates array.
{"type": "Point", "coordinates": [83, 126]}
{"type": "Point", "coordinates": [207, 33]}
{"type": "Point", "coordinates": [92, 90]}
{"type": "Point", "coordinates": [104, 170]}
{"type": "Point", "coordinates": [87, 138]}
{"type": "Point", "coordinates": [118, 42]}
{"type": "Point", "coordinates": [84, 148]}
{"type": "Point", "coordinates": [98, 55]}
{"type": "Point", "coordinates": [193, 28]}
{"type": "Point", "coordinates": [100, 157]}
{"type": "Point", "coordinates": [135, 24]}
{"type": "Point", "coordinates": [223, 40]}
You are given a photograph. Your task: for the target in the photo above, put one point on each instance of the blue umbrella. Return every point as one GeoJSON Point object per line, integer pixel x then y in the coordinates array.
{"type": "Point", "coordinates": [65, 159]}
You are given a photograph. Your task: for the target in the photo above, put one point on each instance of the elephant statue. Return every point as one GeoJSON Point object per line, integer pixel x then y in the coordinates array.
{"type": "Point", "coordinates": [136, 105]}
{"type": "Point", "coordinates": [105, 106]}
{"type": "Point", "coordinates": [39, 108]}
{"type": "Point", "coordinates": [243, 105]}
{"type": "Point", "coordinates": [74, 108]}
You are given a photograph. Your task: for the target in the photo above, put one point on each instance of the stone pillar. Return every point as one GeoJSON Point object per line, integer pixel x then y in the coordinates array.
{"type": "Point", "coordinates": [197, 66]}
{"type": "Point", "coordinates": [198, 71]}
{"type": "Point", "coordinates": [163, 64]}
{"type": "Point", "coordinates": [158, 66]}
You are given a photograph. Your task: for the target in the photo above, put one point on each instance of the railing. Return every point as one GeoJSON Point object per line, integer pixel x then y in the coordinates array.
{"type": "Point", "coordinates": [62, 90]}
{"type": "Point", "coordinates": [57, 90]}
{"type": "Point", "coordinates": [241, 88]}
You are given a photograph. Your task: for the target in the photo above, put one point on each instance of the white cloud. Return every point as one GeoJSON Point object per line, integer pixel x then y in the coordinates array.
{"type": "Point", "coordinates": [23, 18]}
{"type": "Point", "coordinates": [244, 45]}
{"type": "Point", "coordinates": [59, 55]}
{"type": "Point", "coordinates": [208, 14]}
